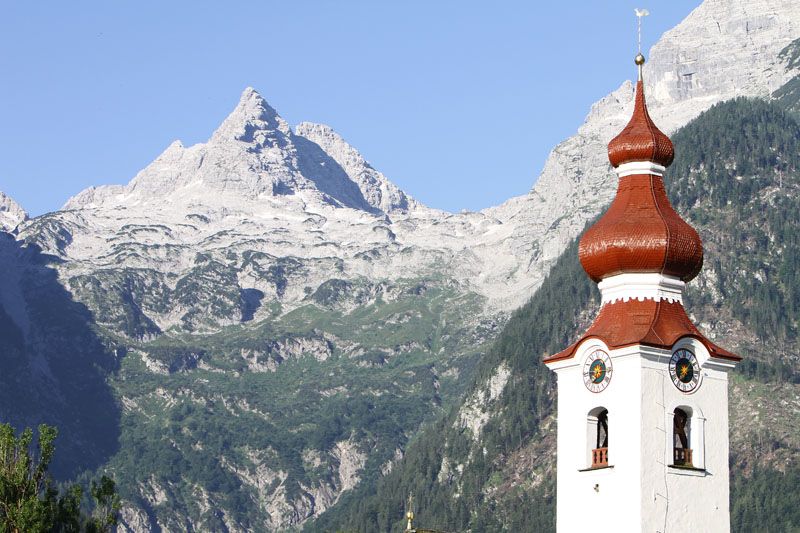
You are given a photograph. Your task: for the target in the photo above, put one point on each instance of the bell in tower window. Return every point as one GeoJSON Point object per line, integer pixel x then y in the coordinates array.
{"type": "Point", "coordinates": [681, 422]}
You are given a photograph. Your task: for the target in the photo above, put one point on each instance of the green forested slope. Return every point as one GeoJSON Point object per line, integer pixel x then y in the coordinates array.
{"type": "Point", "coordinates": [735, 178]}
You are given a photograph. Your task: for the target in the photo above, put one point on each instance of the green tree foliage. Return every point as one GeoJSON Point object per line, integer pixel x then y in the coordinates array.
{"type": "Point", "coordinates": [30, 502]}
{"type": "Point", "coordinates": [766, 502]}
{"type": "Point", "coordinates": [789, 95]}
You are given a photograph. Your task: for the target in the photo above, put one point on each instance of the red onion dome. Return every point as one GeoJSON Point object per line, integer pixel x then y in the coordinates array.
{"type": "Point", "coordinates": [641, 140]}
{"type": "Point", "coordinates": [641, 232]}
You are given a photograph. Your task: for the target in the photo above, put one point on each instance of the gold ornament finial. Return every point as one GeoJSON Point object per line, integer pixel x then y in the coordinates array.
{"type": "Point", "coordinates": [639, 60]}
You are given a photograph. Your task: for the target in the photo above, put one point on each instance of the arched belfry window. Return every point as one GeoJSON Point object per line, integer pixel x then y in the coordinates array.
{"type": "Point", "coordinates": [597, 437]}
{"type": "Point", "coordinates": [681, 436]}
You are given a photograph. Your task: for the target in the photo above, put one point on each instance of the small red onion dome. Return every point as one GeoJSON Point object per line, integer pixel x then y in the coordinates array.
{"type": "Point", "coordinates": [641, 140]}
{"type": "Point", "coordinates": [641, 232]}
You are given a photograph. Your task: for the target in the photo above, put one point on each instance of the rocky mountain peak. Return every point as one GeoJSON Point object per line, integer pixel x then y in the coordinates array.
{"type": "Point", "coordinates": [253, 121]}
{"type": "Point", "coordinates": [11, 213]}
{"type": "Point", "coordinates": [252, 155]}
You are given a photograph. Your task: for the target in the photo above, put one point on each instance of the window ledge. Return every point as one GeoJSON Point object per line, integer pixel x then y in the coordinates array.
{"type": "Point", "coordinates": [592, 469]}
{"type": "Point", "coordinates": [688, 470]}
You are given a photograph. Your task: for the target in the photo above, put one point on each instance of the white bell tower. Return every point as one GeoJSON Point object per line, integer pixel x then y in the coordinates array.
{"type": "Point", "coordinates": [643, 395]}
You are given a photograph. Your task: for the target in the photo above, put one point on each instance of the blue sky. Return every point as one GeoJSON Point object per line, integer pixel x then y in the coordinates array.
{"type": "Point", "coordinates": [457, 102]}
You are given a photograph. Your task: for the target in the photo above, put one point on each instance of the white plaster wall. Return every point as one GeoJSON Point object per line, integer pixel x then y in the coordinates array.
{"type": "Point", "coordinates": [614, 506]}
{"type": "Point", "coordinates": [679, 500]}
{"type": "Point", "coordinates": [641, 492]}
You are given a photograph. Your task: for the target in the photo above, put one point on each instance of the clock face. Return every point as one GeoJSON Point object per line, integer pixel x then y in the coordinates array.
{"type": "Point", "coordinates": [684, 370]}
{"type": "Point", "coordinates": [597, 371]}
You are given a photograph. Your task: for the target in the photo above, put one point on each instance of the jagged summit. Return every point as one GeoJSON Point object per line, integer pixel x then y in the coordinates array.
{"type": "Point", "coordinates": [11, 213]}
{"type": "Point", "coordinates": [721, 50]}
{"type": "Point", "coordinates": [254, 154]}
{"type": "Point", "coordinates": [253, 121]}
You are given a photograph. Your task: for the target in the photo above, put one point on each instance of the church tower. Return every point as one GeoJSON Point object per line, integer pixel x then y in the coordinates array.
{"type": "Point", "coordinates": [643, 395]}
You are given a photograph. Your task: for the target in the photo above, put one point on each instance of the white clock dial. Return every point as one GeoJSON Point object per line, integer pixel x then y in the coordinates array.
{"type": "Point", "coordinates": [597, 370]}
{"type": "Point", "coordinates": [684, 370]}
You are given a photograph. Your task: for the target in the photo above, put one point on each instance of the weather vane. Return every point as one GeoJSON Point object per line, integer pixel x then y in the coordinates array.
{"type": "Point", "coordinates": [640, 13]}
{"type": "Point", "coordinates": [639, 60]}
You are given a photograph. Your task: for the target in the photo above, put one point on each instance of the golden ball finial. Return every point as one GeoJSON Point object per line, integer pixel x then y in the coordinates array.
{"type": "Point", "coordinates": [410, 515]}
{"type": "Point", "coordinates": [639, 59]}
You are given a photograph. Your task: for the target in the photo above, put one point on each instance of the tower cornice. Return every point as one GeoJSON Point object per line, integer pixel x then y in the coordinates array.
{"type": "Point", "coordinates": [641, 286]}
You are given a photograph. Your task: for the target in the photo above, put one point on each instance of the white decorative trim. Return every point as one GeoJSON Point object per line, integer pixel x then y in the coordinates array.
{"type": "Point", "coordinates": [703, 356]}
{"type": "Point", "coordinates": [580, 353]}
{"type": "Point", "coordinates": [639, 167]}
{"type": "Point", "coordinates": [588, 346]}
{"type": "Point", "coordinates": [644, 286]}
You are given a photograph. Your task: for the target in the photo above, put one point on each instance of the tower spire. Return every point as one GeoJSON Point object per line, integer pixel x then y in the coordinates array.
{"type": "Point", "coordinates": [641, 141]}
{"type": "Point", "coordinates": [639, 60]}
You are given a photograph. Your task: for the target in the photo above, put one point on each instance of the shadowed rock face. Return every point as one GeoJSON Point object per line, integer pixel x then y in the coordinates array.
{"type": "Point", "coordinates": [378, 191]}
{"type": "Point", "coordinates": [54, 366]}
